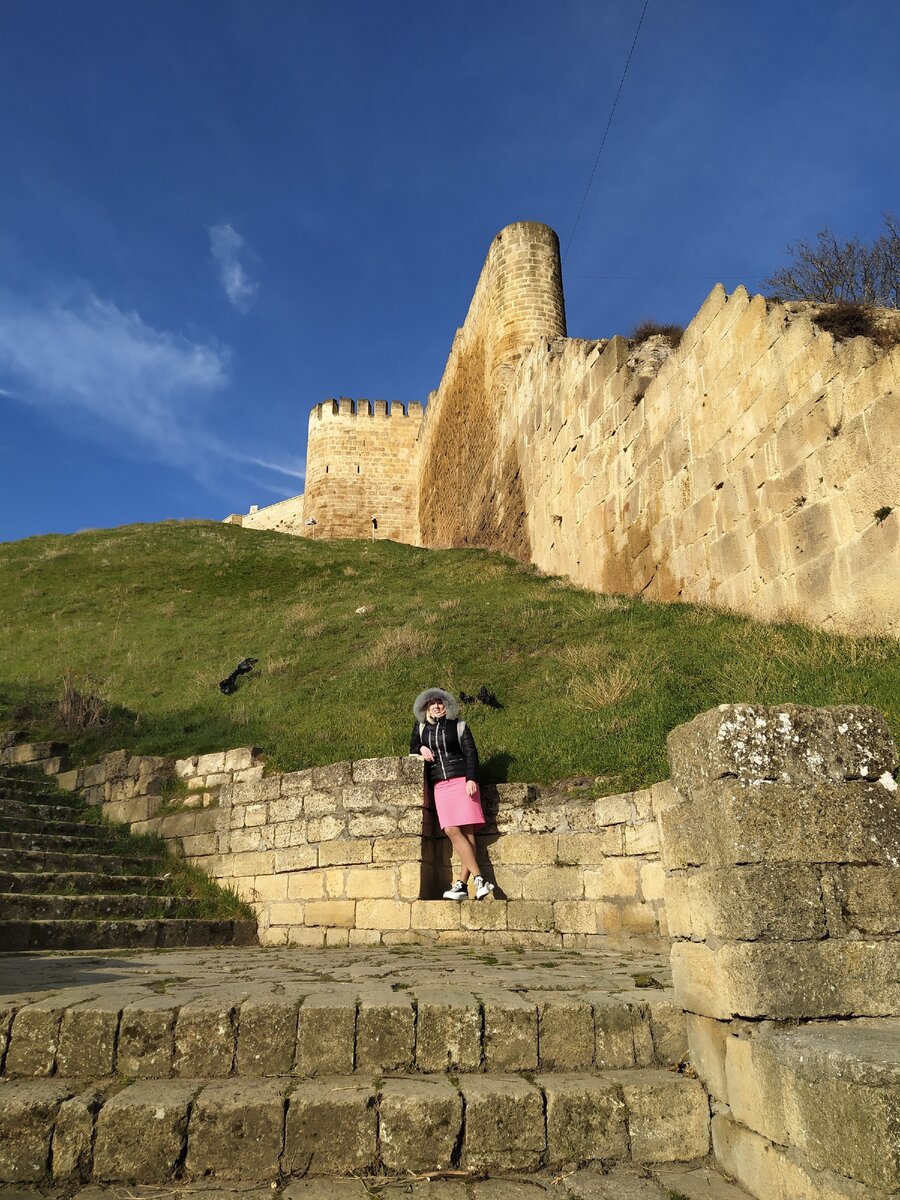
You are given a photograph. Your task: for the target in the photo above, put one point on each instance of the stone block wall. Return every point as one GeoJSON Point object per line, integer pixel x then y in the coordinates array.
{"type": "Point", "coordinates": [287, 516]}
{"type": "Point", "coordinates": [782, 860]}
{"type": "Point", "coordinates": [349, 854]}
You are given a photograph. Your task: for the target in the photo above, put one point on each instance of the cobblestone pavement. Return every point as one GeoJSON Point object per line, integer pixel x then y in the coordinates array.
{"type": "Point", "coordinates": [627, 970]}
{"type": "Point", "coordinates": [621, 1183]}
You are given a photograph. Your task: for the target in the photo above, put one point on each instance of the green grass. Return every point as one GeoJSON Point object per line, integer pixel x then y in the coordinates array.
{"type": "Point", "coordinates": [150, 618]}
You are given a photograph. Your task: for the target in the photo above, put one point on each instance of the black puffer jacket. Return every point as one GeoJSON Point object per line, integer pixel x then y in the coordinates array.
{"type": "Point", "coordinates": [453, 756]}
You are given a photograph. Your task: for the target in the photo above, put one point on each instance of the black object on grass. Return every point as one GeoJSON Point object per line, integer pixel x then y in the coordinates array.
{"type": "Point", "coordinates": [229, 685]}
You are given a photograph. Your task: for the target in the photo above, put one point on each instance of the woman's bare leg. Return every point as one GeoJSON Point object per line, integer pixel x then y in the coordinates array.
{"type": "Point", "coordinates": [463, 841]}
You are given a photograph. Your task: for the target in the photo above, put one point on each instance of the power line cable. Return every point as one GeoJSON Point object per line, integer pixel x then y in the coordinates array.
{"type": "Point", "coordinates": [612, 113]}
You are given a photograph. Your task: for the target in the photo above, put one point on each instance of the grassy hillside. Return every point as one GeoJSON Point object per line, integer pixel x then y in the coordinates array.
{"type": "Point", "coordinates": [149, 618]}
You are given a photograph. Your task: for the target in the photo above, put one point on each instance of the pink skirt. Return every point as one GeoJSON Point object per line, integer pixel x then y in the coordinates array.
{"type": "Point", "coordinates": [454, 806]}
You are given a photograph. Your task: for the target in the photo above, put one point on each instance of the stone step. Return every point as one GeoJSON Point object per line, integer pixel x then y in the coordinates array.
{"type": "Point", "coordinates": [256, 1130]}
{"type": "Point", "coordinates": [616, 1182]}
{"type": "Point", "coordinates": [100, 934]}
{"type": "Point", "coordinates": [24, 787]}
{"type": "Point", "coordinates": [40, 826]}
{"type": "Point", "coordinates": [109, 864]}
{"type": "Point", "coordinates": [25, 906]}
{"type": "Point", "coordinates": [827, 1090]}
{"type": "Point", "coordinates": [81, 883]}
{"type": "Point", "coordinates": [311, 1029]}
{"type": "Point", "coordinates": [40, 812]}
{"type": "Point", "coordinates": [75, 843]}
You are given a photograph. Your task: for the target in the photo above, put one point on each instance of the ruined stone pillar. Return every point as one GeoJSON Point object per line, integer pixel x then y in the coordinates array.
{"type": "Point", "coordinates": [782, 866]}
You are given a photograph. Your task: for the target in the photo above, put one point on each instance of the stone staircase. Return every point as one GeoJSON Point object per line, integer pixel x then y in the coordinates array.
{"type": "Point", "coordinates": [270, 1066]}
{"type": "Point", "coordinates": [68, 881]}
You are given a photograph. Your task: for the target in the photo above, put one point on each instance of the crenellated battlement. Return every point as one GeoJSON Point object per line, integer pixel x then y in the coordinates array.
{"type": "Point", "coordinates": [344, 407]}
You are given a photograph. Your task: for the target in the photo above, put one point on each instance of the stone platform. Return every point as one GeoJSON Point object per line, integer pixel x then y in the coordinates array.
{"type": "Point", "coordinates": [287, 1072]}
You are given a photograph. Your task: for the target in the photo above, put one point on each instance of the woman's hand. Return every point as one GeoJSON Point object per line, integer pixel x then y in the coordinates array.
{"type": "Point", "coordinates": [471, 787]}
{"type": "Point", "coordinates": [426, 754]}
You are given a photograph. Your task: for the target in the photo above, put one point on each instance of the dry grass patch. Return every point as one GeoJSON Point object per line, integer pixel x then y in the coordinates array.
{"type": "Point", "coordinates": [449, 603]}
{"type": "Point", "coordinates": [406, 642]}
{"type": "Point", "coordinates": [298, 613]}
{"type": "Point", "coordinates": [605, 688]}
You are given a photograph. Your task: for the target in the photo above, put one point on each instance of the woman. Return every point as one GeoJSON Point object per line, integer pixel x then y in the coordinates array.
{"type": "Point", "coordinates": [448, 748]}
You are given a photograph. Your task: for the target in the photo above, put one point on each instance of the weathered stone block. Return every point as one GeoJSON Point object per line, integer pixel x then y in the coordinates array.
{"type": "Point", "coordinates": [788, 744]}
{"type": "Point", "coordinates": [668, 1028]}
{"type": "Point", "coordinates": [775, 1172]}
{"type": "Point", "coordinates": [565, 1034]}
{"type": "Point", "coordinates": [830, 1090]}
{"type": "Point", "coordinates": [34, 1038]}
{"type": "Point", "coordinates": [553, 883]}
{"type": "Point", "coordinates": [204, 1038]}
{"type": "Point", "coordinates": [504, 1123]}
{"type": "Point", "coordinates": [770, 902]}
{"type": "Point", "coordinates": [73, 1137]}
{"type": "Point", "coordinates": [585, 1118]}
{"type": "Point", "coordinates": [862, 900]}
{"type": "Point", "coordinates": [448, 1031]}
{"type": "Point", "coordinates": [294, 858]}
{"type": "Point", "coordinates": [706, 1044]}
{"type": "Point", "coordinates": [529, 914]}
{"type": "Point", "coordinates": [333, 776]}
{"type": "Point", "coordinates": [370, 883]}
{"type": "Point", "coordinates": [147, 1039]}
{"type": "Point", "coordinates": [527, 849]}
{"type": "Point", "coordinates": [28, 1111]}
{"type": "Point", "coordinates": [87, 1039]}
{"type": "Point", "coordinates": [385, 1034]}
{"type": "Point", "coordinates": [267, 1035]}
{"type": "Point", "coordinates": [576, 916]}
{"type": "Point", "coordinates": [510, 1034]}
{"type": "Point", "coordinates": [331, 1127]}
{"type": "Point", "coordinates": [823, 823]}
{"type": "Point", "coordinates": [396, 849]}
{"type": "Point", "coordinates": [301, 885]}
{"type": "Point", "coordinates": [613, 1036]}
{"type": "Point", "coordinates": [236, 1130]}
{"type": "Point", "coordinates": [788, 980]}
{"type": "Point", "coordinates": [375, 770]}
{"type": "Point", "coordinates": [326, 1034]}
{"type": "Point", "coordinates": [141, 1131]}
{"type": "Point", "coordinates": [340, 913]}
{"type": "Point", "coordinates": [668, 1116]}
{"type": "Point", "coordinates": [383, 914]}
{"type": "Point", "coordinates": [419, 1123]}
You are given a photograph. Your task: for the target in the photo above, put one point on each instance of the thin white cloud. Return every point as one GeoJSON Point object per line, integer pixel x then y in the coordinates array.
{"type": "Point", "coordinates": [88, 357]}
{"type": "Point", "coordinates": [296, 469]}
{"type": "Point", "coordinates": [227, 248]}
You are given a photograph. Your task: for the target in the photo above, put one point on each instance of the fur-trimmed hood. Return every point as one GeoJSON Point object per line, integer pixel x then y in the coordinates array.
{"type": "Point", "coordinates": [420, 703]}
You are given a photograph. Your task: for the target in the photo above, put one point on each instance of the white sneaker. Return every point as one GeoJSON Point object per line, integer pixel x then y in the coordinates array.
{"type": "Point", "coordinates": [459, 891]}
{"type": "Point", "coordinates": [482, 889]}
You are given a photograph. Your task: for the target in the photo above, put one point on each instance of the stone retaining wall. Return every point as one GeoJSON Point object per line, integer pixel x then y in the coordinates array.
{"type": "Point", "coordinates": [349, 854]}
{"type": "Point", "coordinates": [782, 863]}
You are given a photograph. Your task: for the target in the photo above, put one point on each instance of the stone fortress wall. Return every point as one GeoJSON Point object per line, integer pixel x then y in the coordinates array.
{"type": "Point", "coordinates": [753, 467]}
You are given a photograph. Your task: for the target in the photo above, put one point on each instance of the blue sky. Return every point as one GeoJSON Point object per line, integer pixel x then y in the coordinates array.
{"type": "Point", "coordinates": [216, 213]}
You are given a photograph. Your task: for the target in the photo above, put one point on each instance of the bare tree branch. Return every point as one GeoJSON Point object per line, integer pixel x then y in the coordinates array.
{"type": "Point", "coordinates": [828, 270]}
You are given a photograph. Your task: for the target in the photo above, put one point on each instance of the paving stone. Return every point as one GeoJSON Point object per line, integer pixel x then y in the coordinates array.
{"type": "Point", "coordinates": [28, 1110]}
{"type": "Point", "coordinates": [508, 1189]}
{"type": "Point", "coordinates": [236, 1130]}
{"type": "Point", "coordinates": [420, 1122]}
{"type": "Point", "coordinates": [327, 1189]}
{"type": "Point", "coordinates": [141, 1131]}
{"type": "Point", "coordinates": [585, 1118]}
{"type": "Point", "coordinates": [205, 1032]}
{"type": "Point", "coordinates": [510, 1033]}
{"type": "Point", "coordinates": [267, 1035]}
{"type": "Point", "coordinates": [623, 1183]}
{"type": "Point", "coordinates": [385, 1033]}
{"type": "Point", "coordinates": [147, 1038]}
{"type": "Point", "coordinates": [504, 1123]}
{"type": "Point", "coordinates": [331, 1127]}
{"type": "Point", "coordinates": [699, 1183]}
{"type": "Point", "coordinates": [326, 1032]}
{"type": "Point", "coordinates": [448, 1031]}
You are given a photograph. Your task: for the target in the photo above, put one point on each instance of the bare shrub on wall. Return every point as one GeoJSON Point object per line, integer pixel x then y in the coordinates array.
{"type": "Point", "coordinates": [829, 270]}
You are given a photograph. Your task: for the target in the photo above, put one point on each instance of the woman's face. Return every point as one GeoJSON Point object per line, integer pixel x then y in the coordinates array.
{"type": "Point", "coordinates": [436, 709]}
